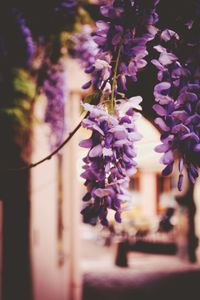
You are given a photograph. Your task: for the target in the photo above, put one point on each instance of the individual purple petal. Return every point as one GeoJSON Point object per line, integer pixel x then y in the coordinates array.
{"type": "Point", "coordinates": [91, 125]}
{"type": "Point", "coordinates": [103, 26]}
{"type": "Point", "coordinates": [193, 170]}
{"type": "Point", "coordinates": [168, 169]}
{"type": "Point", "coordinates": [181, 165]}
{"type": "Point", "coordinates": [167, 58]}
{"type": "Point", "coordinates": [87, 197]}
{"type": "Point", "coordinates": [119, 132]}
{"type": "Point", "coordinates": [180, 115]}
{"type": "Point", "coordinates": [132, 171]}
{"type": "Point", "coordinates": [96, 151]}
{"type": "Point", "coordinates": [108, 139]}
{"type": "Point", "coordinates": [161, 89]}
{"type": "Point", "coordinates": [167, 158]}
{"type": "Point", "coordinates": [191, 176]}
{"type": "Point", "coordinates": [169, 139]}
{"type": "Point", "coordinates": [102, 192]}
{"type": "Point", "coordinates": [125, 119]}
{"type": "Point", "coordinates": [194, 119]}
{"type": "Point", "coordinates": [158, 65]}
{"type": "Point", "coordinates": [162, 148]}
{"type": "Point", "coordinates": [89, 69]}
{"type": "Point", "coordinates": [161, 124]}
{"type": "Point", "coordinates": [160, 49]}
{"type": "Point", "coordinates": [88, 175]}
{"type": "Point", "coordinates": [134, 103]}
{"type": "Point", "coordinates": [168, 34]}
{"type": "Point", "coordinates": [129, 151]}
{"type": "Point", "coordinates": [181, 128]}
{"type": "Point", "coordinates": [104, 222]}
{"type": "Point", "coordinates": [107, 152]}
{"type": "Point", "coordinates": [118, 35]}
{"type": "Point", "coordinates": [135, 136]}
{"type": "Point", "coordinates": [118, 217]}
{"type": "Point", "coordinates": [86, 143]}
{"type": "Point", "coordinates": [120, 143]}
{"type": "Point", "coordinates": [180, 182]}
{"type": "Point", "coordinates": [160, 110]}
{"type": "Point", "coordinates": [190, 136]}
{"type": "Point", "coordinates": [87, 85]}
{"type": "Point", "coordinates": [141, 64]}
{"type": "Point", "coordinates": [190, 97]}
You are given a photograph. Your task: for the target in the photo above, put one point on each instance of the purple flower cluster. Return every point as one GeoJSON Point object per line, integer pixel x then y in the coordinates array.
{"type": "Point", "coordinates": [55, 90]}
{"type": "Point", "coordinates": [122, 34]}
{"type": "Point", "coordinates": [85, 47]}
{"type": "Point", "coordinates": [178, 107]}
{"type": "Point", "coordinates": [110, 160]}
{"type": "Point", "coordinates": [24, 39]}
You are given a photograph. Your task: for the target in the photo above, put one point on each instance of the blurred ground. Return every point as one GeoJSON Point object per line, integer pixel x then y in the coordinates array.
{"type": "Point", "coordinates": [148, 276]}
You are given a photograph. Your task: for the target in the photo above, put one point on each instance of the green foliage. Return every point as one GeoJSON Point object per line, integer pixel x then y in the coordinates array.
{"type": "Point", "coordinates": [23, 84]}
{"type": "Point", "coordinates": [20, 107]}
{"type": "Point", "coordinates": [92, 99]}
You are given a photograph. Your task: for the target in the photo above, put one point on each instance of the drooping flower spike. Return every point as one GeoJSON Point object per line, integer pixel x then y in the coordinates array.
{"type": "Point", "coordinates": [56, 91]}
{"type": "Point", "coordinates": [122, 35]}
{"type": "Point", "coordinates": [178, 109]}
{"type": "Point", "coordinates": [85, 48]}
{"type": "Point", "coordinates": [110, 159]}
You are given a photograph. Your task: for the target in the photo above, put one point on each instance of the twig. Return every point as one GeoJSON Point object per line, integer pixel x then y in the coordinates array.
{"type": "Point", "coordinates": [115, 76]}
{"type": "Point", "coordinates": [48, 157]}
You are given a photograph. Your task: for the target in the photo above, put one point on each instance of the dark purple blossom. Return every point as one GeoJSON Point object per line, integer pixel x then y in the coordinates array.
{"type": "Point", "coordinates": [55, 90]}
{"type": "Point", "coordinates": [16, 40]}
{"type": "Point", "coordinates": [110, 159]}
{"type": "Point", "coordinates": [122, 36]}
{"type": "Point", "coordinates": [85, 47]}
{"type": "Point", "coordinates": [178, 102]}
{"type": "Point", "coordinates": [125, 29]}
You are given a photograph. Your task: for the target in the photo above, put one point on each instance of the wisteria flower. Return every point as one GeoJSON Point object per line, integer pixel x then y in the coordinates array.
{"type": "Point", "coordinates": [56, 91]}
{"type": "Point", "coordinates": [110, 159]}
{"type": "Point", "coordinates": [178, 102]}
{"type": "Point", "coordinates": [85, 47]}
{"type": "Point", "coordinates": [123, 35]}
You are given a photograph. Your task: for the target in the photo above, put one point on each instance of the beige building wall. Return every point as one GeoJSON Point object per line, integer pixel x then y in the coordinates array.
{"type": "Point", "coordinates": [55, 212]}
{"type": "Point", "coordinates": [56, 189]}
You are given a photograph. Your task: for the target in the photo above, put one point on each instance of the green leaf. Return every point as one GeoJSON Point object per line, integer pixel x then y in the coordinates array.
{"type": "Point", "coordinates": [23, 83]}
{"type": "Point", "coordinates": [93, 99]}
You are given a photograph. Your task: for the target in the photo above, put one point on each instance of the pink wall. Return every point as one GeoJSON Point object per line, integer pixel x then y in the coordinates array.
{"type": "Point", "coordinates": [56, 257]}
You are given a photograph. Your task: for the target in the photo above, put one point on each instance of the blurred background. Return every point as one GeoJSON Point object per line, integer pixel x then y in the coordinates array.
{"type": "Point", "coordinates": [47, 252]}
{"type": "Point", "coordinates": [153, 253]}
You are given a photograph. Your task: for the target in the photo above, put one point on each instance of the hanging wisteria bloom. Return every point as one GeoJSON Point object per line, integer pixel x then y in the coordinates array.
{"type": "Point", "coordinates": [85, 48]}
{"type": "Point", "coordinates": [16, 40]}
{"type": "Point", "coordinates": [25, 38]}
{"type": "Point", "coordinates": [110, 160]}
{"type": "Point", "coordinates": [178, 107]}
{"type": "Point", "coordinates": [122, 35]}
{"type": "Point", "coordinates": [56, 90]}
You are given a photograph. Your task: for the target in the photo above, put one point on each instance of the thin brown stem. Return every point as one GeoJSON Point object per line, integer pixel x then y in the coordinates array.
{"type": "Point", "coordinates": [114, 82]}
{"type": "Point", "coordinates": [49, 156]}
